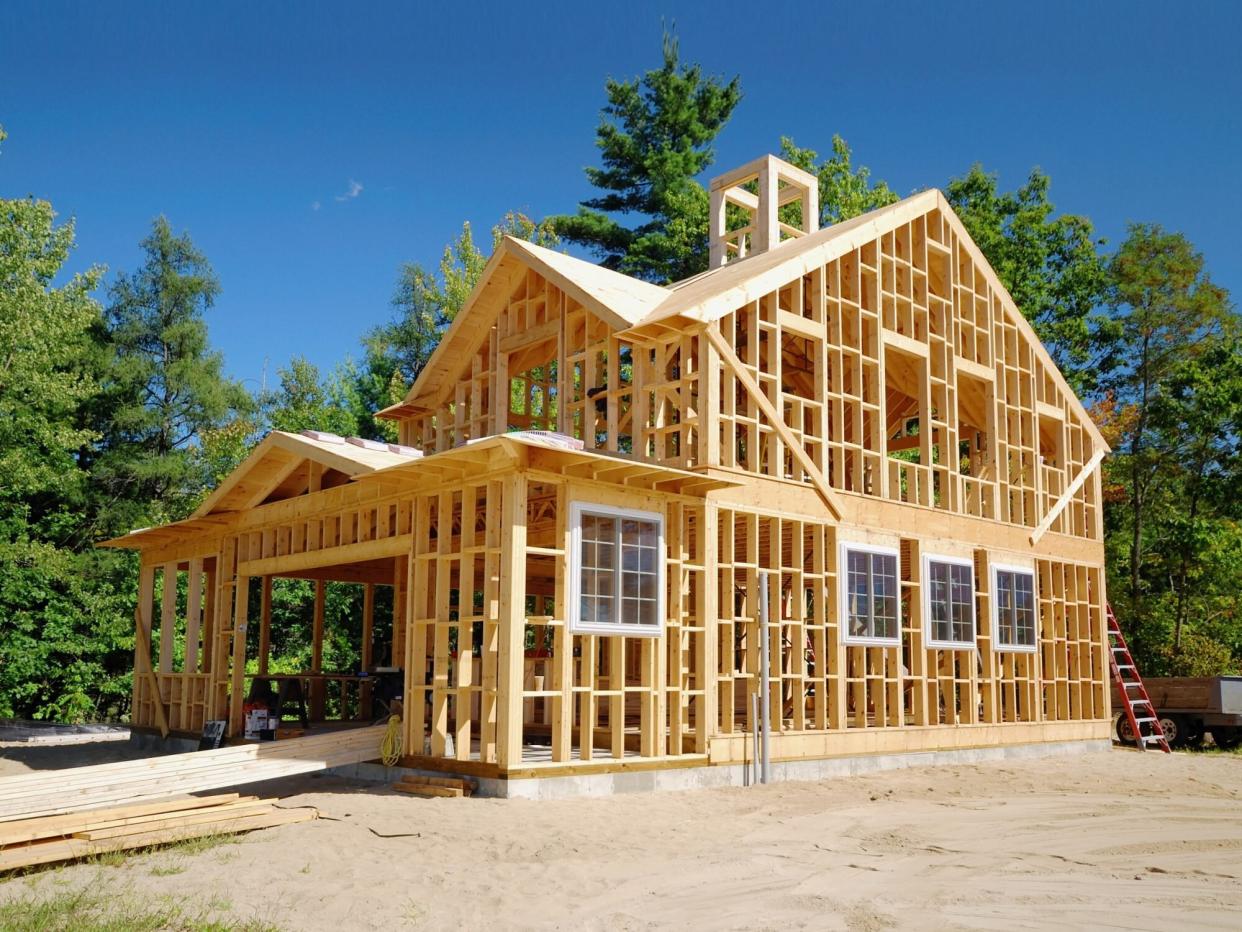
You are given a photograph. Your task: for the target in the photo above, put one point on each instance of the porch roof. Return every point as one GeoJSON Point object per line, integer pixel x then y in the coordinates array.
{"type": "Point", "coordinates": [404, 471]}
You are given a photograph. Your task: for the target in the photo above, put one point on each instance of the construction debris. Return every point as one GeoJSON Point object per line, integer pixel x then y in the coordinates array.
{"type": "Point", "coordinates": [431, 787]}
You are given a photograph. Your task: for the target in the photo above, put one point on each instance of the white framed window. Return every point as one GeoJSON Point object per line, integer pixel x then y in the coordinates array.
{"type": "Point", "coordinates": [616, 571]}
{"type": "Point", "coordinates": [949, 601]}
{"type": "Point", "coordinates": [1013, 617]}
{"type": "Point", "coordinates": [870, 595]}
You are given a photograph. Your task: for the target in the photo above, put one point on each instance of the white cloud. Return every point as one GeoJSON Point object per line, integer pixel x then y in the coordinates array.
{"type": "Point", "coordinates": [315, 205]}
{"type": "Point", "coordinates": [352, 192]}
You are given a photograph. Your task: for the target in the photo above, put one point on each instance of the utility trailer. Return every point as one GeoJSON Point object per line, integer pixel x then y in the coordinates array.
{"type": "Point", "coordinates": [1191, 707]}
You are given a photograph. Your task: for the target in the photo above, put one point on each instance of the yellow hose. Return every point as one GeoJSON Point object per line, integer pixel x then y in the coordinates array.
{"type": "Point", "coordinates": [390, 747]}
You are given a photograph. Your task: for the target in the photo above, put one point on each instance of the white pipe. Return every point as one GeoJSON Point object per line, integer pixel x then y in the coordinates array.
{"type": "Point", "coordinates": [754, 739]}
{"type": "Point", "coordinates": [764, 681]}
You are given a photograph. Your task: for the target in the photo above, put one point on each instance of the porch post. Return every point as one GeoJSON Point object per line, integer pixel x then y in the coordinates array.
{"type": "Point", "coordinates": [241, 609]}
{"type": "Point", "coordinates": [142, 639]}
{"type": "Point", "coordinates": [512, 621]}
{"type": "Point", "coordinates": [365, 691]}
{"type": "Point", "coordinates": [265, 624]}
{"type": "Point", "coordinates": [317, 685]}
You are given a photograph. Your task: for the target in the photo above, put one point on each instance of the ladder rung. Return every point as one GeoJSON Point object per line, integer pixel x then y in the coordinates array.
{"type": "Point", "coordinates": [1140, 721]}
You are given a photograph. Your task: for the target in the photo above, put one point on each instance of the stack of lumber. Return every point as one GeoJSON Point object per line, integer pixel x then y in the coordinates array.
{"type": "Point", "coordinates": [46, 839]}
{"type": "Point", "coordinates": [124, 782]}
{"type": "Point", "coordinates": [434, 786]}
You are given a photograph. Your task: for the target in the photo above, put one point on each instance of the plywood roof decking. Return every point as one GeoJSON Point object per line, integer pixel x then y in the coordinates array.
{"type": "Point", "coordinates": [461, 463]}
{"type": "Point", "coordinates": [278, 457]}
{"type": "Point", "coordinates": [643, 311]}
{"type": "Point", "coordinates": [497, 452]}
{"type": "Point", "coordinates": [619, 300]}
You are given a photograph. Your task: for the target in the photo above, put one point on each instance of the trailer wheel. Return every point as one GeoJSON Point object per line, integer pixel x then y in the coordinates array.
{"type": "Point", "coordinates": [1174, 730]}
{"type": "Point", "coordinates": [1125, 734]}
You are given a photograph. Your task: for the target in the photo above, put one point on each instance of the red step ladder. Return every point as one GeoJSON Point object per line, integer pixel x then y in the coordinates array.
{"type": "Point", "coordinates": [1136, 704]}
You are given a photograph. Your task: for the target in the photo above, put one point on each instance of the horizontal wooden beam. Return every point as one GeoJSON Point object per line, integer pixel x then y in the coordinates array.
{"type": "Point", "coordinates": [532, 336]}
{"type": "Point", "coordinates": [330, 556]}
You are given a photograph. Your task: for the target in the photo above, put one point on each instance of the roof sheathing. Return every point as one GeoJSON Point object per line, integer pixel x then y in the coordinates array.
{"type": "Point", "coordinates": [710, 296]}
{"type": "Point", "coordinates": [617, 299]}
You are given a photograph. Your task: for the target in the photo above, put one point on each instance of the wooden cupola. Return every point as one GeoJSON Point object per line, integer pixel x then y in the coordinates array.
{"type": "Point", "coordinates": [760, 189]}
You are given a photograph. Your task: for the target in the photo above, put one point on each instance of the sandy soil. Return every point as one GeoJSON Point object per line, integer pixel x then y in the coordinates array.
{"type": "Point", "coordinates": [1111, 840]}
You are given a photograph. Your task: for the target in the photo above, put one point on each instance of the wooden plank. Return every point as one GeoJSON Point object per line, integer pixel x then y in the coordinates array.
{"type": "Point", "coordinates": [153, 683]}
{"type": "Point", "coordinates": [428, 791]}
{"type": "Point", "coordinates": [155, 822]}
{"type": "Point", "coordinates": [1066, 496]}
{"type": "Point", "coordinates": [72, 848]}
{"type": "Point", "coordinates": [265, 623]}
{"type": "Point", "coordinates": [512, 617]}
{"type": "Point", "coordinates": [31, 795]}
{"type": "Point", "coordinates": [168, 618]}
{"type": "Point", "coordinates": [327, 556]}
{"type": "Point", "coordinates": [12, 833]}
{"type": "Point", "coordinates": [193, 615]}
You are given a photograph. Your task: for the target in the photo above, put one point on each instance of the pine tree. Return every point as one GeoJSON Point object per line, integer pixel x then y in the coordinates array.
{"type": "Point", "coordinates": [655, 137]}
{"type": "Point", "coordinates": [165, 385]}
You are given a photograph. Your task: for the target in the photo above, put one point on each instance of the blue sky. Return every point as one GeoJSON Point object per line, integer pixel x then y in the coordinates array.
{"type": "Point", "coordinates": [400, 121]}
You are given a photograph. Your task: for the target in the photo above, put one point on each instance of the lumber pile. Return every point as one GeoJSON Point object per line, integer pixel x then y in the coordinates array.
{"type": "Point", "coordinates": [47, 839]}
{"type": "Point", "coordinates": [434, 787]}
{"type": "Point", "coordinates": [125, 782]}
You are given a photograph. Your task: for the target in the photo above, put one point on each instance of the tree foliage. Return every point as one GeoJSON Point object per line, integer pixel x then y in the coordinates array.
{"type": "Point", "coordinates": [844, 191]}
{"type": "Point", "coordinates": [60, 643]}
{"type": "Point", "coordinates": [655, 137]}
{"type": "Point", "coordinates": [1173, 378]}
{"type": "Point", "coordinates": [164, 385]}
{"type": "Point", "coordinates": [1050, 264]}
{"type": "Point", "coordinates": [117, 418]}
{"type": "Point", "coordinates": [424, 304]}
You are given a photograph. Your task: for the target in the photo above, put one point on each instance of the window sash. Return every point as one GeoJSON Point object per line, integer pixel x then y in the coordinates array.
{"type": "Point", "coordinates": [870, 597]}
{"type": "Point", "coordinates": [1015, 621]}
{"type": "Point", "coordinates": [616, 571]}
{"type": "Point", "coordinates": [950, 602]}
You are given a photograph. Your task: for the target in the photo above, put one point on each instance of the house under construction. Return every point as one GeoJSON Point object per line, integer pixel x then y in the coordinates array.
{"type": "Point", "coordinates": [595, 472]}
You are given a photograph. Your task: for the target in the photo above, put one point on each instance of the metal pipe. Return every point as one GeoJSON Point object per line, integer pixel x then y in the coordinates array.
{"type": "Point", "coordinates": [765, 771]}
{"type": "Point", "coordinates": [754, 739]}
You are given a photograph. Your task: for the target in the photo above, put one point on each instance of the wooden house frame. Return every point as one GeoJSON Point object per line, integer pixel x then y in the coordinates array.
{"type": "Point", "coordinates": [860, 412]}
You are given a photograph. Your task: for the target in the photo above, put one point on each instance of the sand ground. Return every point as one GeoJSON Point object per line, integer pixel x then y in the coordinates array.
{"type": "Point", "coordinates": [1105, 840]}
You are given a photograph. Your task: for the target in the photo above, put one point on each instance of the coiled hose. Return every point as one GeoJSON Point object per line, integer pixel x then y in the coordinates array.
{"type": "Point", "coordinates": [390, 747]}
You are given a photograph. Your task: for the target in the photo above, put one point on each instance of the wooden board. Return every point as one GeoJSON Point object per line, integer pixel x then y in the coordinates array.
{"type": "Point", "coordinates": [51, 793]}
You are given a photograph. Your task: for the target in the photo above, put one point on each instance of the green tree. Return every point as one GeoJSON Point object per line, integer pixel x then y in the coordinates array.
{"type": "Point", "coordinates": [165, 385]}
{"type": "Point", "coordinates": [60, 648]}
{"type": "Point", "coordinates": [844, 191]}
{"type": "Point", "coordinates": [305, 401]}
{"type": "Point", "coordinates": [655, 137]}
{"type": "Point", "coordinates": [425, 303]}
{"type": "Point", "coordinates": [1050, 264]}
{"type": "Point", "coordinates": [1166, 311]}
{"type": "Point", "coordinates": [1197, 417]}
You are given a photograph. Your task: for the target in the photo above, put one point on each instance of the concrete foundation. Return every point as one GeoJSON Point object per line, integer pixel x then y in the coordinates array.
{"type": "Point", "coordinates": [692, 778]}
